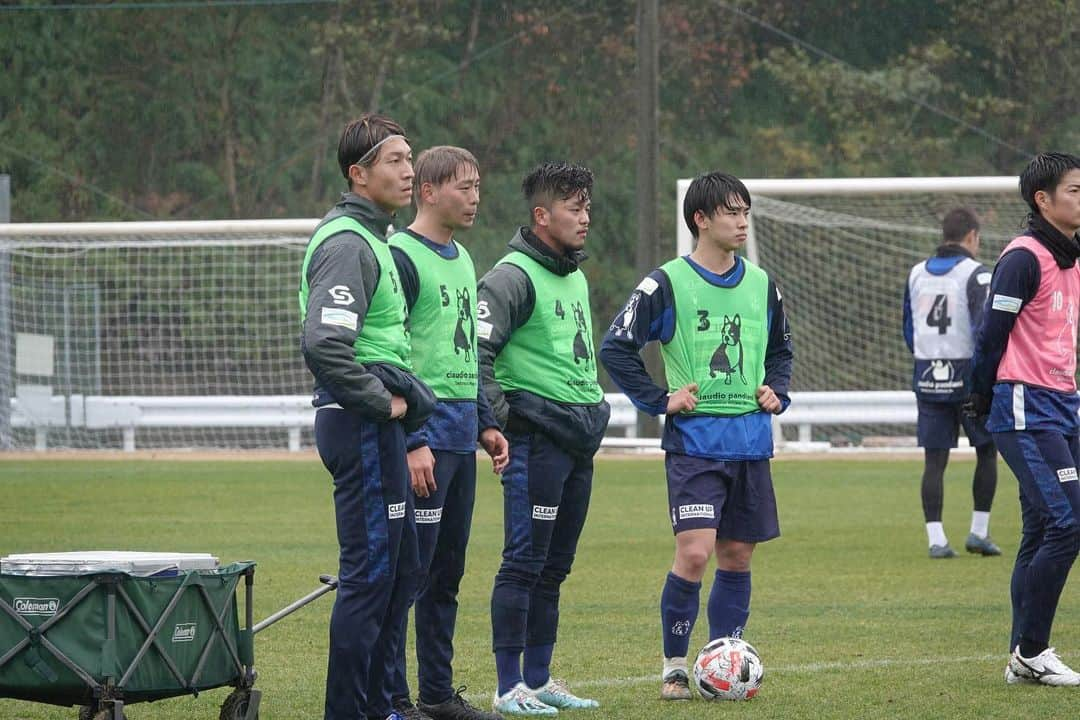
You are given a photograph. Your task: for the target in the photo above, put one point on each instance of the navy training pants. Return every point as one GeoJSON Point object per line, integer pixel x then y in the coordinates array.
{"type": "Point", "coordinates": [377, 560]}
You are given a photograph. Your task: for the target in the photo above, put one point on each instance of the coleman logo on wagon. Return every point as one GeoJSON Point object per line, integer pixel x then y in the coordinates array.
{"type": "Point", "coordinates": [37, 606]}
{"type": "Point", "coordinates": [183, 632]}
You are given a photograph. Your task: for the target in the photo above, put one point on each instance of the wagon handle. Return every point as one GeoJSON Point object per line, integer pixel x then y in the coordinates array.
{"type": "Point", "coordinates": [330, 584]}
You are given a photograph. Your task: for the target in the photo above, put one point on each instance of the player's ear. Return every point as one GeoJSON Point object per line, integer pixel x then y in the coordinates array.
{"type": "Point", "coordinates": [358, 175]}
{"type": "Point", "coordinates": [700, 219]}
{"type": "Point", "coordinates": [541, 216]}
{"type": "Point", "coordinates": [428, 192]}
{"type": "Point", "coordinates": [1042, 200]}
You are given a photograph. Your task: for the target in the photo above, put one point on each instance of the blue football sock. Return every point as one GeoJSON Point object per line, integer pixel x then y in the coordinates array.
{"type": "Point", "coordinates": [678, 612]}
{"type": "Point", "coordinates": [537, 664]}
{"type": "Point", "coordinates": [508, 669]}
{"type": "Point", "coordinates": [729, 604]}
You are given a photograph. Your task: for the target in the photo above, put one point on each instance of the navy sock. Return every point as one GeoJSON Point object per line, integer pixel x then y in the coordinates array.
{"type": "Point", "coordinates": [678, 612]}
{"type": "Point", "coordinates": [729, 604]}
{"type": "Point", "coordinates": [508, 669]}
{"type": "Point", "coordinates": [537, 664]}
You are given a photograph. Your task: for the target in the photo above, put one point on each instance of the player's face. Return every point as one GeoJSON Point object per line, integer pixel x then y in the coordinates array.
{"type": "Point", "coordinates": [1062, 207]}
{"type": "Point", "coordinates": [455, 201]}
{"type": "Point", "coordinates": [388, 181]}
{"type": "Point", "coordinates": [725, 227]}
{"type": "Point", "coordinates": [567, 222]}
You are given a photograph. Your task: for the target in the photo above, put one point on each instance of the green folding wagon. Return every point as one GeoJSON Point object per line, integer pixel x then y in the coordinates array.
{"type": "Point", "coordinates": [103, 640]}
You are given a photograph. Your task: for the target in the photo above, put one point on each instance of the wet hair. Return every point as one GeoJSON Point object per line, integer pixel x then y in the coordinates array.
{"type": "Point", "coordinates": [711, 191]}
{"type": "Point", "coordinates": [553, 181]}
{"type": "Point", "coordinates": [1044, 172]}
{"type": "Point", "coordinates": [957, 223]}
{"type": "Point", "coordinates": [440, 164]}
{"type": "Point", "coordinates": [361, 136]}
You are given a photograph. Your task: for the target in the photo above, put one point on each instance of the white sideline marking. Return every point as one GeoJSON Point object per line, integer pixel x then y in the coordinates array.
{"type": "Point", "coordinates": [815, 667]}
{"type": "Point", "coordinates": [801, 669]}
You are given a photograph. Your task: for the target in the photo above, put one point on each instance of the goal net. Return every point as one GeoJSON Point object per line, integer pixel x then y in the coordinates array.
{"type": "Point", "coordinates": [840, 250]}
{"type": "Point", "coordinates": [111, 311]}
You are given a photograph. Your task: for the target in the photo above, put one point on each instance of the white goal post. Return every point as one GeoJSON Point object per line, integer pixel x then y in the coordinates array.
{"type": "Point", "coordinates": [840, 250]}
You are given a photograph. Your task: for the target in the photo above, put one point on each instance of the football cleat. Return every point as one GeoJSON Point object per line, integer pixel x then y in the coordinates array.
{"type": "Point", "coordinates": [941, 552]}
{"type": "Point", "coordinates": [1012, 678]}
{"type": "Point", "coordinates": [981, 546]}
{"type": "Point", "coordinates": [1045, 668]}
{"type": "Point", "coordinates": [404, 709]}
{"type": "Point", "coordinates": [556, 694]}
{"type": "Point", "coordinates": [456, 708]}
{"type": "Point", "coordinates": [520, 700]}
{"type": "Point", "coordinates": [676, 686]}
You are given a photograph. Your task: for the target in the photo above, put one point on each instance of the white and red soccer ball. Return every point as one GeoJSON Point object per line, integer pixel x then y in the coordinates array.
{"type": "Point", "coordinates": [728, 669]}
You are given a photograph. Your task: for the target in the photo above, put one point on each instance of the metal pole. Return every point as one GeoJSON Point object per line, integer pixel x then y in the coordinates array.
{"type": "Point", "coordinates": [6, 338]}
{"type": "Point", "coordinates": [329, 585]}
{"type": "Point", "coordinates": [648, 125]}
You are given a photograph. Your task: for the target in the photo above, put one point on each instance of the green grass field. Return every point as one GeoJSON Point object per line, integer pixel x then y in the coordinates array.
{"type": "Point", "coordinates": [851, 618]}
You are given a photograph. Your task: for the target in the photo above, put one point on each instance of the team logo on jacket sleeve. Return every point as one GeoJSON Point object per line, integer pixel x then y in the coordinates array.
{"type": "Point", "coordinates": [341, 295]}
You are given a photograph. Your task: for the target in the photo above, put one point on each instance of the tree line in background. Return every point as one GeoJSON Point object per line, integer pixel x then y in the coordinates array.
{"type": "Point", "coordinates": [182, 112]}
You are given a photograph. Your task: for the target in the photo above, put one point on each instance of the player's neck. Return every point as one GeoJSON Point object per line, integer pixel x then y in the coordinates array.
{"type": "Point", "coordinates": [715, 260]}
{"type": "Point", "coordinates": [432, 229]}
{"type": "Point", "coordinates": [1065, 229]}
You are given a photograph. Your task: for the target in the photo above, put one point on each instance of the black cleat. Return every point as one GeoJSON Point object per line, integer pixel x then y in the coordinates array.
{"type": "Point", "coordinates": [408, 711]}
{"type": "Point", "coordinates": [457, 708]}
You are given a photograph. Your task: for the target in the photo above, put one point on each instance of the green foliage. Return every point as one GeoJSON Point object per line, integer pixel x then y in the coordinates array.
{"type": "Point", "coordinates": [851, 618]}
{"type": "Point", "coordinates": [218, 112]}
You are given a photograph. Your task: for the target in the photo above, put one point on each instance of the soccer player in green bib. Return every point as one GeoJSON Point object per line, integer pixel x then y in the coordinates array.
{"type": "Point", "coordinates": [439, 284]}
{"type": "Point", "coordinates": [538, 365]}
{"type": "Point", "coordinates": [355, 342]}
{"type": "Point", "coordinates": [727, 354]}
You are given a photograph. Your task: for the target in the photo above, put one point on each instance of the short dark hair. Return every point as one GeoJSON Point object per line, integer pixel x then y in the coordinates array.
{"type": "Point", "coordinates": [360, 136]}
{"type": "Point", "coordinates": [553, 181]}
{"type": "Point", "coordinates": [439, 164]}
{"type": "Point", "coordinates": [957, 223]}
{"type": "Point", "coordinates": [1044, 172]}
{"type": "Point", "coordinates": [710, 191]}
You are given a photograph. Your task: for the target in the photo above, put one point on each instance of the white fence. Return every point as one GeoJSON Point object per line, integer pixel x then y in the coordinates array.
{"type": "Point", "coordinates": [43, 411]}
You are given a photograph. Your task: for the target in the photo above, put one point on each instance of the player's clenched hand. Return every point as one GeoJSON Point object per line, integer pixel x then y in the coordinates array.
{"type": "Point", "coordinates": [767, 400]}
{"type": "Point", "coordinates": [685, 398]}
{"type": "Point", "coordinates": [976, 406]}
{"type": "Point", "coordinates": [398, 407]}
{"type": "Point", "coordinates": [422, 471]}
{"type": "Point", "coordinates": [495, 445]}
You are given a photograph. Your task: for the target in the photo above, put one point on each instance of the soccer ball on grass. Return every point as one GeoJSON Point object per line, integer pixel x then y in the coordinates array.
{"type": "Point", "coordinates": [728, 669]}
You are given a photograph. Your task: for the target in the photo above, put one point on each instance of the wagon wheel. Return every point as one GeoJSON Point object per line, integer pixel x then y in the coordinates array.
{"type": "Point", "coordinates": [236, 705]}
{"type": "Point", "coordinates": [86, 712]}
{"type": "Point", "coordinates": [103, 714]}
